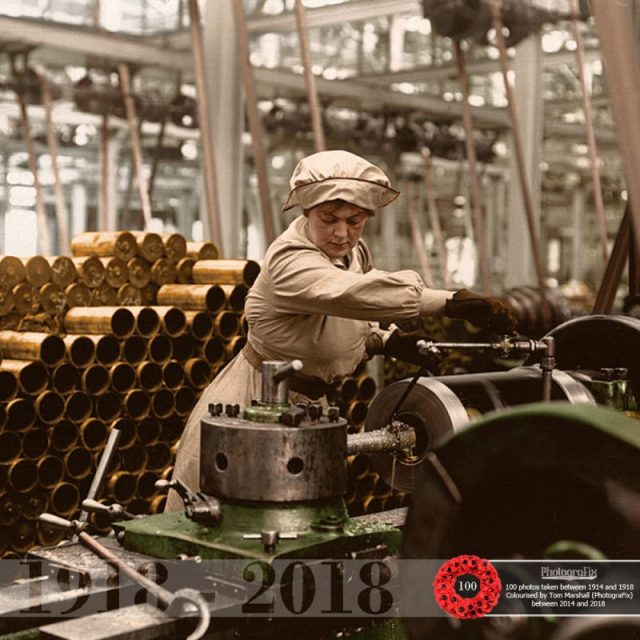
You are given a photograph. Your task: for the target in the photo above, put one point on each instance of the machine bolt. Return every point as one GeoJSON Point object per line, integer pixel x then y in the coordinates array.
{"type": "Point", "coordinates": [293, 417]}
{"type": "Point", "coordinates": [333, 413]}
{"type": "Point", "coordinates": [315, 411]}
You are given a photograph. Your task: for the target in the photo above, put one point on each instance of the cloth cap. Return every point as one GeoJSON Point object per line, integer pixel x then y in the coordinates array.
{"type": "Point", "coordinates": [339, 175]}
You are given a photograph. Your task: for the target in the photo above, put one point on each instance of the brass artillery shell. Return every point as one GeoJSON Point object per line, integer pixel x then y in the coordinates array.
{"type": "Point", "coordinates": [183, 347]}
{"type": "Point", "coordinates": [150, 245]}
{"type": "Point", "coordinates": [233, 347]}
{"type": "Point", "coordinates": [64, 435]}
{"type": "Point", "coordinates": [116, 272]}
{"type": "Point", "coordinates": [137, 404]}
{"type": "Point", "coordinates": [244, 325]}
{"type": "Point", "coordinates": [172, 428]}
{"type": "Point", "coordinates": [198, 372]}
{"type": "Point", "coordinates": [52, 298]}
{"type": "Point", "coordinates": [172, 374]}
{"type": "Point", "coordinates": [200, 323]}
{"type": "Point", "coordinates": [78, 295]}
{"type": "Point", "coordinates": [48, 537]}
{"type": "Point", "coordinates": [9, 509]}
{"type": "Point", "coordinates": [117, 320]}
{"type": "Point", "coordinates": [157, 504]}
{"type": "Point", "coordinates": [149, 294]}
{"type": "Point", "coordinates": [147, 321]}
{"type": "Point", "coordinates": [185, 400]}
{"type": "Point", "coordinates": [8, 385]}
{"type": "Point", "coordinates": [162, 403]}
{"type": "Point", "coordinates": [50, 471]}
{"type": "Point", "coordinates": [226, 325]}
{"type": "Point", "coordinates": [163, 271]}
{"type": "Point", "coordinates": [357, 412]}
{"type": "Point", "coordinates": [148, 431]}
{"type": "Point", "coordinates": [146, 484]}
{"type": "Point", "coordinates": [64, 499]}
{"type": "Point", "coordinates": [12, 271]}
{"type": "Point", "coordinates": [139, 272]}
{"type": "Point", "coordinates": [25, 298]}
{"type": "Point", "coordinates": [23, 475]}
{"type": "Point", "coordinates": [22, 536]}
{"type": "Point", "coordinates": [21, 414]}
{"type": "Point", "coordinates": [65, 378]}
{"type": "Point", "coordinates": [49, 407]}
{"type": "Point", "coordinates": [134, 349]}
{"type": "Point", "coordinates": [37, 271]}
{"type": "Point", "coordinates": [91, 271]}
{"type": "Point", "coordinates": [63, 271]}
{"type": "Point", "coordinates": [122, 377]}
{"type": "Point", "coordinates": [104, 243]}
{"type": "Point", "coordinates": [160, 348]}
{"type": "Point", "coordinates": [7, 301]}
{"type": "Point", "coordinates": [3, 418]}
{"type": "Point", "coordinates": [192, 296]}
{"type": "Point", "coordinates": [77, 406]}
{"type": "Point", "coordinates": [122, 486]}
{"type": "Point", "coordinates": [35, 443]}
{"type": "Point", "coordinates": [107, 348]}
{"type": "Point", "coordinates": [184, 270]}
{"type": "Point", "coordinates": [95, 379]}
{"type": "Point", "coordinates": [10, 447]}
{"type": "Point", "coordinates": [234, 296]}
{"type": "Point", "coordinates": [225, 272]}
{"type": "Point", "coordinates": [173, 320]}
{"type": "Point", "coordinates": [129, 294]}
{"type": "Point", "coordinates": [32, 376]}
{"type": "Point", "coordinates": [366, 388]}
{"type": "Point", "coordinates": [108, 406]}
{"type": "Point", "coordinates": [93, 434]}
{"type": "Point", "coordinates": [202, 250]}
{"type": "Point", "coordinates": [104, 296]}
{"type": "Point", "coordinates": [78, 463]}
{"type": "Point", "coordinates": [175, 246]}
{"type": "Point", "coordinates": [80, 349]}
{"type": "Point", "coordinates": [149, 375]}
{"type": "Point", "coordinates": [358, 466]}
{"type": "Point", "coordinates": [34, 503]}
{"type": "Point", "coordinates": [127, 432]}
{"type": "Point", "coordinates": [159, 456]}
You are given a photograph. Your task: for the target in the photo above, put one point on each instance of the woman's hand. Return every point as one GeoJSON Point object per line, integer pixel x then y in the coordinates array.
{"type": "Point", "coordinates": [403, 345]}
{"type": "Point", "coordinates": [483, 311]}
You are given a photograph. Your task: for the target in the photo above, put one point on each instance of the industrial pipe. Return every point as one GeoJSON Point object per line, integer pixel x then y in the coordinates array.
{"type": "Point", "coordinates": [80, 349]}
{"type": "Point", "coordinates": [146, 484]}
{"type": "Point", "coordinates": [8, 385]}
{"type": "Point", "coordinates": [226, 325]}
{"type": "Point", "coordinates": [233, 347]}
{"type": "Point", "coordinates": [122, 377]}
{"type": "Point", "coordinates": [108, 406]}
{"type": "Point", "coordinates": [172, 320]}
{"type": "Point", "coordinates": [198, 372]}
{"type": "Point", "coordinates": [199, 323]}
{"type": "Point", "coordinates": [121, 244]}
{"type": "Point", "coordinates": [137, 404]}
{"type": "Point", "coordinates": [225, 272]}
{"type": "Point", "coordinates": [95, 379]}
{"type": "Point", "coordinates": [77, 406]}
{"type": "Point", "coordinates": [117, 320]}
{"type": "Point", "coordinates": [185, 400]}
{"type": "Point", "coordinates": [65, 378]}
{"type": "Point", "coordinates": [202, 250]}
{"type": "Point", "coordinates": [10, 447]}
{"type": "Point", "coordinates": [172, 374]}
{"type": "Point", "coordinates": [134, 349]}
{"type": "Point", "coordinates": [193, 296]}
{"type": "Point", "coordinates": [49, 407]}
{"type": "Point", "coordinates": [148, 431]}
{"type": "Point", "coordinates": [107, 348]}
{"type": "Point", "coordinates": [212, 350]}
{"type": "Point", "coordinates": [78, 463]}
{"type": "Point", "coordinates": [64, 435]}
{"type": "Point", "coordinates": [122, 487]}
{"type": "Point", "coordinates": [162, 403]}
{"type": "Point", "coordinates": [32, 346]}
{"type": "Point", "coordinates": [32, 376]}
{"type": "Point", "coordinates": [134, 459]}
{"type": "Point", "coordinates": [147, 320]}
{"type": "Point", "coordinates": [50, 471]}
{"type": "Point", "coordinates": [183, 347]}
{"type": "Point", "coordinates": [172, 428]}
{"type": "Point", "coordinates": [23, 475]}
{"type": "Point", "coordinates": [149, 375]}
{"type": "Point", "coordinates": [7, 301]}
{"type": "Point", "coordinates": [184, 270]}
{"type": "Point", "coordinates": [22, 536]}
{"type": "Point", "coordinates": [159, 456]}
{"type": "Point", "coordinates": [93, 434]}
{"type": "Point", "coordinates": [160, 348]}
{"type": "Point", "coordinates": [35, 443]}
{"type": "Point", "coordinates": [127, 432]}
{"type": "Point", "coordinates": [64, 499]}
{"type": "Point", "coordinates": [234, 296]}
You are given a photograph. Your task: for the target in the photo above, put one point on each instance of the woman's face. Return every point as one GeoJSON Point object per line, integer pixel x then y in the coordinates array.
{"type": "Point", "coordinates": [336, 227]}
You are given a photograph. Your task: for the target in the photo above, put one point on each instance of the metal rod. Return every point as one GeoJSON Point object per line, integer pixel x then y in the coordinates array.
{"type": "Point", "coordinates": [309, 79]}
{"type": "Point", "coordinates": [209, 166]}
{"type": "Point", "coordinates": [104, 173]}
{"type": "Point", "coordinates": [547, 365]}
{"type": "Point", "coordinates": [416, 235]}
{"type": "Point", "coordinates": [496, 10]}
{"type": "Point", "coordinates": [387, 439]}
{"type": "Point", "coordinates": [591, 138]}
{"type": "Point", "coordinates": [255, 123]}
{"type": "Point", "coordinates": [476, 194]}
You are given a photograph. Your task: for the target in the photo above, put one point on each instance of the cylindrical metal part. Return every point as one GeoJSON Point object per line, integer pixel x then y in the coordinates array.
{"type": "Point", "coordinates": [117, 320]}
{"type": "Point", "coordinates": [193, 296]}
{"type": "Point", "coordinates": [64, 499]}
{"type": "Point", "coordinates": [172, 319]}
{"type": "Point", "coordinates": [21, 414]}
{"type": "Point", "coordinates": [7, 301]}
{"type": "Point", "coordinates": [183, 347]}
{"type": "Point", "coordinates": [104, 243]}
{"type": "Point", "coordinates": [198, 372]}
{"type": "Point", "coordinates": [116, 272]}
{"type": "Point", "coordinates": [26, 299]}
{"type": "Point", "coordinates": [81, 349]}
{"type": "Point", "coordinates": [37, 271]}
{"type": "Point", "coordinates": [52, 298]}
{"type": "Point", "coordinates": [272, 391]}
{"type": "Point", "coordinates": [163, 271]}
{"type": "Point", "coordinates": [122, 486]}
{"type": "Point", "coordinates": [184, 269]}
{"type": "Point", "coordinates": [139, 272]}
{"type": "Point", "coordinates": [233, 347]}
{"type": "Point", "coordinates": [23, 475]}
{"type": "Point", "coordinates": [9, 509]}
{"type": "Point", "coordinates": [213, 350]}
{"type": "Point", "coordinates": [91, 271]}
{"type": "Point", "coordinates": [160, 348]}
{"type": "Point", "coordinates": [127, 432]}
{"type": "Point", "coordinates": [202, 250]}
{"type": "Point", "coordinates": [35, 443]}
{"type": "Point", "coordinates": [150, 245]}
{"type": "Point", "coordinates": [175, 246]}
{"type": "Point", "coordinates": [63, 271]}
{"type": "Point", "coordinates": [234, 296]}
{"type": "Point", "coordinates": [148, 431]}
{"type": "Point", "coordinates": [172, 374]}
{"type": "Point", "coordinates": [149, 375]}
{"type": "Point", "coordinates": [122, 377]}
{"type": "Point", "coordinates": [172, 428]}
{"type": "Point", "coordinates": [108, 406]}
{"type": "Point", "coordinates": [272, 462]}
{"type": "Point", "coordinates": [93, 434]}
{"type": "Point", "coordinates": [8, 385]}
{"type": "Point", "coordinates": [134, 349]}
{"type": "Point", "coordinates": [50, 471]}
{"type": "Point", "coordinates": [104, 295]}
{"type": "Point", "coordinates": [357, 465]}
{"type": "Point", "coordinates": [149, 294]}
{"type": "Point", "coordinates": [3, 417]}
{"type": "Point", "coordinates": [225, 272]}
{"type": "Point", "coordinates": [49, 407]}
{"type": "Point", "coordinates": [162, 403]}
{"type": "Point", "coordinates": [64, 435]}
{"type": "Point", "coordinates": [357, 412]}
{"type": "Point", "coordinates": [381, 440]}
{"type": "Point", "coordinates": [129, 294]}
{"type": "Point", "coordinates": [146, 484]}
{"type": "Point", "coordinates": [65, 378]}
{"type": "Point", "coordinates": [147, 321]}
{"type": "Point", "coordinates": [226, 324]}
{"type": "Point", "coordinates": [78, 295]}
{"type": "Point", "coordinates": [32, 376]}
{"type": "Point", "coordinates": [366, 388]}
{"type": "Point", "coordinates": [159, 456]}
{"type": "Point", "coordinates": [32, 346]}
{"type": "Point", "coordinates": [22, 536]}
{"type": "Point", "coordinates": [11, 270]}
{"type": "Point", "coordinates": [137, 404]}
{"type": "Point", "coordinates": [78, 463]}
{"type": "Point", "coordinates": [95, 379]}
{"type": "Point", "coordinates": [185, 400]}
{"type": "Point", "coordinates": [200, 324]}
{"type": "Point", "coordinates": [107, 348]}
{"type": "Point", "coordinates": [10, 447]}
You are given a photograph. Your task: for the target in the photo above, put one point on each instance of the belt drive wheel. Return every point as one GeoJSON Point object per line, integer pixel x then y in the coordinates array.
{"type": "Point", "coordinates": [431, 408]}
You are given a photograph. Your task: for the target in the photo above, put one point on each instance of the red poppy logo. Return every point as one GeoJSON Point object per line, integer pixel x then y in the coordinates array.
{"type": "Point", "coordinates": [467, 587]}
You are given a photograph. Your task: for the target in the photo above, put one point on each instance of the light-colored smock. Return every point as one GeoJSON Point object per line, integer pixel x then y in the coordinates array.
{"type": "Point", "coordinates": [305, 305]}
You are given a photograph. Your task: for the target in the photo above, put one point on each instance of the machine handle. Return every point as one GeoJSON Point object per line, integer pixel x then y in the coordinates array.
{"type": "Point", "coordinates": [287, 370]}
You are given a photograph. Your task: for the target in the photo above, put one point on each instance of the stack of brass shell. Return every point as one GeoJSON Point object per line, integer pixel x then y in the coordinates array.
{"type": "Point", "coordinates": [128, 339]}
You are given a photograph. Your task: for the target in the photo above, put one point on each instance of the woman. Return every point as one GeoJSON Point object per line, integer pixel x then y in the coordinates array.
{"type": "Point", "coordinates": [319, 299]}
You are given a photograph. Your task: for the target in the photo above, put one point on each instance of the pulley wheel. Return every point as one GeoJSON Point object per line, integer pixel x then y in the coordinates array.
{"type": "Point", "coordinates": [431, 408]}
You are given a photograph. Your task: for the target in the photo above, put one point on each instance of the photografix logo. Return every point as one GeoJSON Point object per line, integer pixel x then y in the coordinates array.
{"type": "Point", "coordinates": [467, 587]}
{"type": "Point", "coordinates": [568, 573]}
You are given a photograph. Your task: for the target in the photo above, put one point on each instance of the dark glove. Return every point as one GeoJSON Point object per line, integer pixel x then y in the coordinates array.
{"type": "Point", "coordinates": [402, 345]}
{"type": "Point", "coordinates": [483, 311]}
